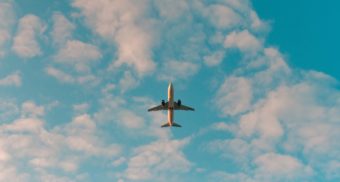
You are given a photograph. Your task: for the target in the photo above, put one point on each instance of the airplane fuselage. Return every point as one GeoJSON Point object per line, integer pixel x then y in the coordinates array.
{"type": "Point", "coordinates": [170, 104]}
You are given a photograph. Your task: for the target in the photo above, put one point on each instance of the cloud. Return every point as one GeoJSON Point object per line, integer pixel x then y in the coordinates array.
{"type": "Point", "coordinates": [172, 9]}
{"type": "Point", "coordinates": [224, 176]}
{"type": "Point", "coordinates": [124, 23]}
{"type": "Point", "coordinates": [130, 119]}
{"type": "Point", "coordinates": [234, 96]}
{"type": "Point", "coordinates": [62, 29]}
{"type": "Point", "coordinates": [25, 42]}
{"type": "Point", "coordinates": [244, 41]}
{"type": "Point", "coordinates": [7, 17]}
{"type": "Point", "coordinates": [223, 16]}
{"type": "Point", "coordinates": [81, 108]}
{"type": "Point", "coordinates": [60, 75]}
{"type": "Point", "coordinates": [10, 173]}
{"type": "Point", "coordinates": [13, 79]}
{"type": "Point", "coordinates": [30, 109]}
{"type": "Point", "coordinates": [119, 161]}
{"type": "Point", "coordinates": [44, 151]}
{"type": "Point", "coordinates": [222, 126]}
{"type": "Point", "coordinates": [173, 70]}
{"type": "Point", "coordinates": [256, 23]}
{"type": "Point", "coordinates": [87, 79]}
{"type": "Point", "coordinates": [8, 110]}
{"type": "Point", "coordinates": [274, 121]}
{"type": "Point", "coordinates": [78, 54]}
{"type": "Point", "coordinates": [272, 165]}
{"type": "Point", "coordinates": [158, 160]}
{"type": "Point", "coordinates": [285, 118]}
{"type": "Point", "coordinates": [75, 60]}
{"type": "Point", "coordinates": [127, 82]}
{"type": "Point", "coordinates": [134, 50]}
{"type": "Point", "coordinates": [214, 59]}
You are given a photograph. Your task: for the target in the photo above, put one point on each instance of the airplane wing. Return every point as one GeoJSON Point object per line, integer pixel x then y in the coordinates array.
{"type": "Point", "coordinates": [182, 107]}
{"type": "Point", "coordinates": [159, 107]}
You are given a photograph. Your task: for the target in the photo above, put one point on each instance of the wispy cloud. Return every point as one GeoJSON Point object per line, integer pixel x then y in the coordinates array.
{"type": "Point", "coordinates": [7, 17]}
{"type": "Point", "coordinates": [62, 29]}
{"type": "Point", "coordinates": [78, 54]}
{"type": "Point", "coordinates": [172, 70]}
{"type": "Point", "coordinates": [125, 23]}
{"type": "Point", "coordinates": [13, 79]}
{"type": "Point", "coordinates": [234, 96]}
{"type": "Point", "coordinates": [57, 148]}
{"type": "Point", "coordinates": [25, 43]}
{"type": "Point", "coordinates": [158, 160]}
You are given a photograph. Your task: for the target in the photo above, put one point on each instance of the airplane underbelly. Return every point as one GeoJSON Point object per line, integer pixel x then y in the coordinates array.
{"type": "Point", "coordinates": [170, 116]}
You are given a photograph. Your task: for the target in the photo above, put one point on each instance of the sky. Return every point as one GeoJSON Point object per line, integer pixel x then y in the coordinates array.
{"type": "Point", "coordinates": [77, 78]}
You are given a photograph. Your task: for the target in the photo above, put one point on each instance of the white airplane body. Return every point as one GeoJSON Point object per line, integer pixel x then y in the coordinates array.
{"type": "Point", "coordinates": [171, 105]}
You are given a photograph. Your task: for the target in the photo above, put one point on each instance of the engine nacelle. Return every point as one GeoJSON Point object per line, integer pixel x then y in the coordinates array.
{"type": "Point", "coordinates": [163, 103]}
{"type": "Point", "coordinates": [179, 102]}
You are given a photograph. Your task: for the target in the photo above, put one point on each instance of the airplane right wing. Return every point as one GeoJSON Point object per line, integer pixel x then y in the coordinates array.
{"type": "Point", "coordinates": [182, 107]}
{"type": "Point", "coordinates": [158, 108]}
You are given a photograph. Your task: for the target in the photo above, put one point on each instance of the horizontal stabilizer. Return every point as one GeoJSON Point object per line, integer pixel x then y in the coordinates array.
{"type": "Point", "coordinates": [165, 125]}
{"type": "Point", "coordinates": [173, 124]}
{"type": "Point", "coordinates": [176, 125]}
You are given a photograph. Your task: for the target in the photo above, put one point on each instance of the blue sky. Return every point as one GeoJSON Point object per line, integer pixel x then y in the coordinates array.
{"type": "Point", "coordinates": [77, 78]}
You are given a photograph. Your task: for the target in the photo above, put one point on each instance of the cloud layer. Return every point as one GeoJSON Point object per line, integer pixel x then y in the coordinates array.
{"type": "Point", "coordinates": [78, 112]}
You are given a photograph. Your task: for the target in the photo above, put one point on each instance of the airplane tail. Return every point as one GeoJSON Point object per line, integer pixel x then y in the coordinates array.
{"type": "Point", "coordinates": [173, 124]}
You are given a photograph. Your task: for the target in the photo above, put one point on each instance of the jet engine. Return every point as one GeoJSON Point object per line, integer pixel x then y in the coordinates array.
{"type": "Point", "coordinates": [163, 102]}
{"type": "Point", "coordinates": [179, 102]}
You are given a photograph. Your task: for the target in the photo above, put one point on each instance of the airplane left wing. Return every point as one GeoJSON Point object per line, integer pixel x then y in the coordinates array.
{"type": "Point", "coordinates": [182, 107]}
{"type": "Point", "coordinates": [158, 108]}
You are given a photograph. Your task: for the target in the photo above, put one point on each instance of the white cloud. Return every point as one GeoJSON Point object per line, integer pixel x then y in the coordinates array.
{"type": "Point", "coordinates": [276, 119]}
{"type": "Point", "coordinates": [234, 96]}
{"type": "Point", "coordinates": [240, 5]}
{"type": "Point", "coordinates": [81, 108]}
{"type": "Point", "coordinates": [172, 9]}
{"type": "Point", "coordinates": [13, 79]}
{"type": "Point", "coordinates": [276, 70]}
{"type": "Point", "coordinates": [222, 126]}
{"type": "Point", "coordinates": [60, 75]}
{"type": "Point", "coordinates": [25, 42]}
{"type": "Point", "coordinates": [130, 119]}
{"type": "Point", "coordinates": [158, 160]}
{"type": "Point", "coordinates": [244, 41]}
{"type": "Point", "coordinates": [30, 109]}
{"type": "Point", "coordinates": [10, 173]}
{"type": "Point", "coordinates": [119, 161]}
{"type": "Point", "coordinates": [224, 176]}
{"type": "Point", "coordinates": [237, 150]}
{"type": "Point", "coordinates": [62, 29]}
{"type": "Point", "coordinates": [134, 50]}
{"type": "Point", "coordinates": [172, 70]}
{"type": "Point", "coordinates": [124, 23]}
{"type": "Point", "coordinates": [88, 79]}
{"type": "Point", "coordinates": [214, 59]}
{"type": "Point", "coordinates": [62, 147]}
{"type": "Point", "coordinates": [108, 88]}
{"type": "Point", "coordinates": [272, 166]}
{"type": "Point", "coordinates": [223, 16]}
{"type": "Point", "coordinates": [256, 23]}
{"type": "Point", "coordinates": [22, 125]}
{"type": "Point", "coordinates": [8, 110]}
{"type": "Point", "coordinates": [4, 156]}
{"type": "Point", "coordinates": [78, 54]}
{"type": "Point", "coordinates": [7, 20]}
{"type": "Point", "coordinates": [127, 82]}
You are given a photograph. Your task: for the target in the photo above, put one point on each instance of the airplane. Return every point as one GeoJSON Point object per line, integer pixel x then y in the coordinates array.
{"type": "Point", "coordinates": [171, 105]}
